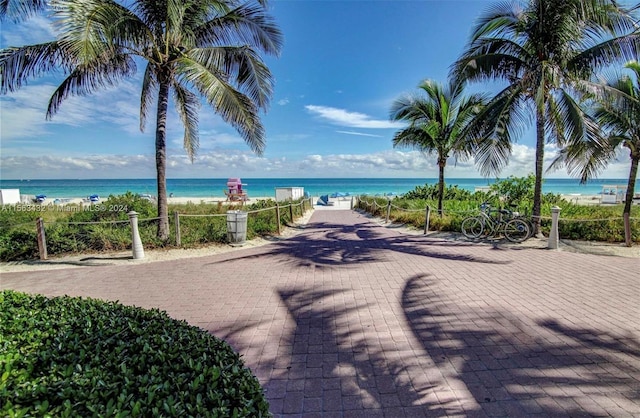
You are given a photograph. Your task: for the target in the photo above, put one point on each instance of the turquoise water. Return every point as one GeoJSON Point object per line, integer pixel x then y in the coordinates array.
{"type": "Point", "coordinates": [266, 187]}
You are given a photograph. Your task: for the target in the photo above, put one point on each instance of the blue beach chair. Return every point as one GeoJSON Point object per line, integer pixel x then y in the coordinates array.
{"type": "Point", "coordinates": [324, 201]}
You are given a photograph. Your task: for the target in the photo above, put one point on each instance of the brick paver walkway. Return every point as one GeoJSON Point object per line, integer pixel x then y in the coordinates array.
{"type": "Point", "coordinates": [351, 319]}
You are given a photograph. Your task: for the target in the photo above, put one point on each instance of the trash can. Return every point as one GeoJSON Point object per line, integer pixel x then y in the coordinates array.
{"type": "Point", "coordinates": [236, 227]}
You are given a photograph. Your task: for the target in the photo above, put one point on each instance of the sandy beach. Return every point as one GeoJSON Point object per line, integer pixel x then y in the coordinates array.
{"type": "Point", "coordinates": [59, 201]}
{"type": "Point", "coordinates": [578, 199]}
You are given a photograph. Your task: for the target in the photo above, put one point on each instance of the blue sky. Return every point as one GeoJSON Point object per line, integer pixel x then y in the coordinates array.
{"type": "Point", "coordinates": [343, 63]}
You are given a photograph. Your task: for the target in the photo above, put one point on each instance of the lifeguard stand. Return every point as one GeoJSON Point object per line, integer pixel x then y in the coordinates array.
{"type": "Point", "coordinates": [234, 190]}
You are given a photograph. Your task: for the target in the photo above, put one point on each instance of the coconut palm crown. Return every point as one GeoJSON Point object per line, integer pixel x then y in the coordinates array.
{"type": "Point", "coordinates": [191, 50]}
{"type": "Point", "coordinates": [438, 123]}
{"type": "Point", "coordinates": [617, 111]}
{"type": "Point", "coordinates": [542, 49]}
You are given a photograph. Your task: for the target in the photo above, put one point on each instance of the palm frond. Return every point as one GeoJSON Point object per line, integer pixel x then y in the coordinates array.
{"type": "Point", "coordinates": [487, 67]}
{"type": "Point", "coordinates": [188, 106]}
{"type": "Point", "coordinates": [584, 159]}
{"type": "Point", "coordinates": [502, 18]}
{"type": "Point", "coordinates": [601, 55]}
{"type": "Point", "coordinates": [150, 88]}
{"type": "Point", "coordinates": [233, 106]}
{"type": "Point", "coordinates": [414, 137]}
{"type": "Point", "coordinates": [100, 27]}
{"type": "Point", "coordinates": [242, 65]}
{"type": "Point", "coordinates": [17, 65]}
{"type": "Point", "coordinates": [18, 10]}
{"type": "Point", "coordinates": [500, 123]}
{"type": "Point", "coordinates": [492, 155]}
{"type": "Point", "coordinates": [87, 78]}
{"type": "Point", "coordinates": [244, 25]}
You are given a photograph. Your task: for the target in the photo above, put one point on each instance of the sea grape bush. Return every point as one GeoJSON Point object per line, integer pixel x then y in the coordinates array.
{"type": "Point", "coordinates": [430, 192]}
{"type": "Point", "coordinates": [69, 356]}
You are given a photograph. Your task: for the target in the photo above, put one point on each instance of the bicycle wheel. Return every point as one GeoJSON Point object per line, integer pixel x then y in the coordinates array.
{"type": "Point", "coordinates": [516, 230]}
{"type": "Point", "coordinates": [472, 227]}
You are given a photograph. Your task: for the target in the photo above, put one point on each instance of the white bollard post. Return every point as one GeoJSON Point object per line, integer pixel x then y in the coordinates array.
{"type": "Point", "coordinates": [553, 235]}
{"type": "Point", "coordinates": [138, 250]}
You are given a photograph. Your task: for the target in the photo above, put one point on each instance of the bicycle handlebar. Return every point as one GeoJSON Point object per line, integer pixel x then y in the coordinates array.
{"type": "Point", "coordinates": [486, 207]}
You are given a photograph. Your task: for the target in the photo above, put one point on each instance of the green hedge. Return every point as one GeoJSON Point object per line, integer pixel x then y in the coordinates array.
{"type": "Point", "coordinates": [73, 357]}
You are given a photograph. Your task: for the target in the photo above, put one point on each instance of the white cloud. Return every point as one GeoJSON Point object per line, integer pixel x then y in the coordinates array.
{"type": "Point", "coordinates": [283, 102]}
{"type": "Point", "coordinates": [36, 29]}
{"type": "Point", "coordinates": [218, 163]}
{"type": "Point", "coordinates": [358, 134]}
{"type": "Point", "coordinates": [23, 113]}
{"type": "Point", "coordinates": [350, 119]}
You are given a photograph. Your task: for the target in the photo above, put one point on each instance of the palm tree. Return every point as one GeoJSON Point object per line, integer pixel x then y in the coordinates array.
{"type": "Point", "coordinates": [540, 47]}
{"type": "Point", "coordinates": [618, 113]}
{"type": "Point", "coordinates": [193, 49]}
{"type": "Point", "coordinates": [438, 123]}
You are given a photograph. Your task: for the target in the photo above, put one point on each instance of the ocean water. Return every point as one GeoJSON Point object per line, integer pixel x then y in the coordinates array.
{"type": "Point", "coordinates": [260, 187]}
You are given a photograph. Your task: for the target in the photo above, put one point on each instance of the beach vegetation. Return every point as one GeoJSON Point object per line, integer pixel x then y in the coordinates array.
{"type": "Point", "coordinates": [616, 108]}
{"type": "Point", "coordinates": [577, 222]}
{"type": "Point", "coordinates": [545, 50]}
{"type": "Point", "coordinates": [190, 50]}
{"type": "Point", "coordinates": [95, 228]}
{"type": "Point", "coordinates": [438, 119]}
{"type": "Point", "coordinates": [71, 356]}
{"type": "Point", "coordinates": [432, 192]}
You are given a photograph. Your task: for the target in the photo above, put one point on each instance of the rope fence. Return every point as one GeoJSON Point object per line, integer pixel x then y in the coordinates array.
{"type": "Point", "coordinates": [372, 206]}
{"type": "Point", "coordinates": [79, 236]}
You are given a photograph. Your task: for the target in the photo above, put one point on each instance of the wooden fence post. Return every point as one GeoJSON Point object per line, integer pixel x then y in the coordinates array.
{"type": "Point", "coordinates": [426, 219]}
{"type": "Point", "coordinates": [291, 211]}
{"type": "Point", "coordinates": [278, 217]}
{"type": "Point", "coordinates": [176, 216]}
{"type": "Point", "coordinates": [42, 240]}
{"type": "Point", "coordinates": [388, 210]}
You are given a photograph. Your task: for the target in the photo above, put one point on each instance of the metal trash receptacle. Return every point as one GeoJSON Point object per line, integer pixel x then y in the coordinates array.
{"type": "Point", "coordinates": [236, 227]}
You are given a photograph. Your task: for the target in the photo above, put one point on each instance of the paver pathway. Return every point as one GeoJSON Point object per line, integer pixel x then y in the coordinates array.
{"type": "Point", "coordinates": [352, 319]}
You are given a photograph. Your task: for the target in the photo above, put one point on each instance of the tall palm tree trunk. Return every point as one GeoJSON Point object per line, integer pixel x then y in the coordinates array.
{"type": "Point", "coordinates": [161, 161]}
{"type": "Point", "coordinates": [441, 164]}
{"type": "Point", "coordinates": [537, 188]}
{"type": "Point", "coordinates": [626, 213]}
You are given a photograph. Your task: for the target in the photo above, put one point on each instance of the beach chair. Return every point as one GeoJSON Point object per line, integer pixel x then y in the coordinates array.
{"type": "Point", "coordinates": [324, 201]}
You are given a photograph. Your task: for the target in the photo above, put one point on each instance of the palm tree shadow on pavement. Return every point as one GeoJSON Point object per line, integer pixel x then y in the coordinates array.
{"type": "Point", "coordinates": [514, 366]}
{"type": "Point", "coordinates": [340, 363]}
{"type": "Point", "coordinates": [330, 244]}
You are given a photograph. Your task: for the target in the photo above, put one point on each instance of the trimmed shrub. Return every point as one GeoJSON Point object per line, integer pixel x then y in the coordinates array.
{"type": "Point", "coordinates": [70, 356]}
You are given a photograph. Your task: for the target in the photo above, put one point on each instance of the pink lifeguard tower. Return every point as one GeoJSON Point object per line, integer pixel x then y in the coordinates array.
{"type": "Point", "coordinates": [234, 190]}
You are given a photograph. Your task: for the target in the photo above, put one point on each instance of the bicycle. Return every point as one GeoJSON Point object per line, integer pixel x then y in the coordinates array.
{"type": "Point", "coordinates": [513, 229]}
{"type": "Point", "coordinates": [525, 217]}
